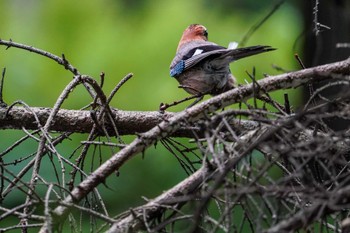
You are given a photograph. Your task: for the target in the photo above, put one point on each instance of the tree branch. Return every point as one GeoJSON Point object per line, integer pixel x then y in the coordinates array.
{"type": "Point", "coordinates": [62, 61]}
{"type": "Point", "coordinates": [132, 220]}
{"type": "Point", "coordinates": [132, 122]}
{"type": "Point", "coordinates": [80, 121]}
{"type": "Point", "coordinates": [169, 126]}
{"type": "Point", "coordinates": [336, 201]}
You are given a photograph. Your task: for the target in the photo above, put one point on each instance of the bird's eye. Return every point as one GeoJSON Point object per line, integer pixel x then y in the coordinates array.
{"type": "Point", "coordinates": [205, 33]}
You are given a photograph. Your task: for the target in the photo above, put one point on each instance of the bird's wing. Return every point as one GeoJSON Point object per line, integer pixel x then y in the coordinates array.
{"type": "Point", "coordinates": [190, 56]}
{"type": "Point", "coordinates": [190, 62]}
{"type": "Point", "coordinates": [239, 53]}
{"type": "Point", "coordinates": [218, 53]}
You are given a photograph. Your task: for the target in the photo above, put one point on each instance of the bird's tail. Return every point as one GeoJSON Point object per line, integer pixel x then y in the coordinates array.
{"type": "Point", "coordinates": [239, 53]}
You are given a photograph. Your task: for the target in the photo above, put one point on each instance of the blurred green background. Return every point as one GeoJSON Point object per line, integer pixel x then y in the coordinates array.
{"type": "Point", "coordinates": [122, 36]}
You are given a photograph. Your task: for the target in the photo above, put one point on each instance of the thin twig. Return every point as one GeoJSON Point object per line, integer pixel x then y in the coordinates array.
{"type": "Point", "coordinates": [165, 106]}
{"type": "Point", "coordinates": [103, 143]}
{"type": "Point", "coordinates": [119, 85]}
{"type": "Point", "coordinates": [2, 103]}
{"type": "Point", "coordinates": [62, 61]}
{"type": "Point", "coordinates": [256, 26]}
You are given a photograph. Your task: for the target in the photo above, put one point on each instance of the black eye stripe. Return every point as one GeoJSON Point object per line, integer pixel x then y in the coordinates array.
{"type": "Point", "coordinates": [205, 33]}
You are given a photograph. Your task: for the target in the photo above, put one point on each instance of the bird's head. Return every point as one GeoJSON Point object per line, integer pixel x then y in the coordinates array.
{"type": "Point", "coordinates": [194, 32]}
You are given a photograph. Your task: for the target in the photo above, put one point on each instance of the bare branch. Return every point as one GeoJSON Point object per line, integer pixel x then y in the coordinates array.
{"type": "Point", "coordinates": [61, 61]}
{"type": "Point", "coordinates": [132, 220]}
{"type": "Point", "coordinates": [131, 122]}
{"type": "Point", "coordinates": [166, 128]}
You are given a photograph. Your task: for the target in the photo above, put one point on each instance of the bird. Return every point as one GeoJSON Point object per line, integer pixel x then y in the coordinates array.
{"type": "Point", "coordinates": [202, 67]}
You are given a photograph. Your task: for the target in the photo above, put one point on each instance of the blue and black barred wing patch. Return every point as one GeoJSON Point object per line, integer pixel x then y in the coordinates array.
{"type": "Point", "coordinates": [177, 69]}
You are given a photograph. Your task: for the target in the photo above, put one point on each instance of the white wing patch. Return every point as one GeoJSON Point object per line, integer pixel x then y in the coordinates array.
{"type": "Point", "coordinates": [197, 52]}
{"type": "Point", "coordinates": [232, 45]}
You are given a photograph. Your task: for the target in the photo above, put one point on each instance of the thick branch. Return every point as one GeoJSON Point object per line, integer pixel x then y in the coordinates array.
{"type": "Point", "coordinates": [80, 121]}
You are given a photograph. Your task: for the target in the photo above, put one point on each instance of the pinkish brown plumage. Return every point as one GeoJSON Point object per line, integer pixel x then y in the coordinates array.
{"type": "Point", "coordinates": [193, 32]}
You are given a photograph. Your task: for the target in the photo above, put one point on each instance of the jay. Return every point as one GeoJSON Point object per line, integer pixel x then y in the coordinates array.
{"type": "Point", "coordinates": [202, 67]}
